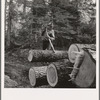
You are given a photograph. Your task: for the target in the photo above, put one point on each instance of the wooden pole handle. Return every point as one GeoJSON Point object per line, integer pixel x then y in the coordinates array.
{"type": "Point", "coordinates": [52, 46]}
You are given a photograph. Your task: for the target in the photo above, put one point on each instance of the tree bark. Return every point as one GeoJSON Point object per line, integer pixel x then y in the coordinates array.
{"type": "Point", "coordinates": [9, 25]}
{"type": "Point", "coordinates": [78, 47]}
{"type": "Point", "coordinates": [58, 73]}
{"type": "Point", "coordinates": [46, 55]}
{"type": "Point", "coordinates": [37, 75]}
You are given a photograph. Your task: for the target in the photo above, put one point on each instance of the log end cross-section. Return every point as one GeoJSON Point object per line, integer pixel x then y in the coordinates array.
{"type": "Point", "coordinates": [32, 77]}
{"type": "Point", "coordinates": [58, 73]}
{"type": "Point", "coordinates": [52, 76]}
{"type": "Point", "coordinates": [78, 47]}
{"type": "Point", "coordinates": [71, 54]}
{"type": "Point", "coordinates": [87, 73]}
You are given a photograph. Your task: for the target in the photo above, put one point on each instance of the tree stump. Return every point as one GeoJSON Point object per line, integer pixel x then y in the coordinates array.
{"type": "Point", "coordinates": [37, 75]}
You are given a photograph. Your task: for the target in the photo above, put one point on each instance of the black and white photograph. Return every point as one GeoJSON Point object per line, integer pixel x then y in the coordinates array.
{"type": "Point", "coordinates": [50, 44]}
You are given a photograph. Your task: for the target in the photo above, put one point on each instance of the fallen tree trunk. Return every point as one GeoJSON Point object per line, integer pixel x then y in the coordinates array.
{"type": "Point", "coordinates": [58, 73]}
{"type": "Point", "coordinates": [37, 75]}
{"type": "Point", "coordinates": [87, 72]}
{"type": "Point", "coordinates": [46, 55]}
{"type": "Point", "coordinates": [74, 48]}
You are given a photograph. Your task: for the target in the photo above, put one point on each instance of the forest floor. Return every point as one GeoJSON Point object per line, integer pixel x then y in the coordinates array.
{"type": "Point", "coordinates": [17, 69]}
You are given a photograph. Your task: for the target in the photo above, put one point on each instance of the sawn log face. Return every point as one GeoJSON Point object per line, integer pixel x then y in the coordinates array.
{"type": "Point", "coordinates": [87, 72]}
{"type": "Point", "coordinates": [58, 73]}
{"type": "Point", "coordinates": [37, 75]}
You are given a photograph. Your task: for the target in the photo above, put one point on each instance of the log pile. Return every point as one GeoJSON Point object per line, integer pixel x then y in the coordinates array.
{"type": "Point", "coordinates": [61, 65]}
{"type": "Point", "coordinates": [58, 72]}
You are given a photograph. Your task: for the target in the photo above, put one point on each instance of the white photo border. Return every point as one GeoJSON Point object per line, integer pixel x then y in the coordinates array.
{"type": "Point", "coordinates": [48, 94]}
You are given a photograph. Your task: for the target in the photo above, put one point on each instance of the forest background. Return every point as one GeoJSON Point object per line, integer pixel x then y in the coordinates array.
{"type": "Point", "coordinates": [74, 21]}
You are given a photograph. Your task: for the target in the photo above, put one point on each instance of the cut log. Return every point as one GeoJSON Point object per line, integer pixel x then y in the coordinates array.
{"type": "Point", "coordinates": [87, 72]}
{"type": "Point", "coordinates": [77, 47]}
{"type": "Point", "coordinates": [37, 75]}
{"type": "Point", "coordinates": [58, 73]}
{"type": "Point", "coordinates": [46, 55]}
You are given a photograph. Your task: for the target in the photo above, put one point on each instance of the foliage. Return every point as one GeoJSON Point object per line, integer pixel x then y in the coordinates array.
{"type": "Point", "coordinates": [71, 19]}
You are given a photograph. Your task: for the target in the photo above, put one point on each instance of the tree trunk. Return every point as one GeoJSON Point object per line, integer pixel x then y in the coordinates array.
{"type": "Point", "coordinates": [37, 75]}
{"type": "Point", "coordinates": [24, 8]}
{"type": "Point", "coordinates": [58, 73]}
{"type": "Point", "coordinates": [87, 72]}
{"type": "Point", "coordinates": [46, 55]}
{"type": "Point", "coordinates": [78, 47]}
{"type": "Point", "coordinates": [9, 25]}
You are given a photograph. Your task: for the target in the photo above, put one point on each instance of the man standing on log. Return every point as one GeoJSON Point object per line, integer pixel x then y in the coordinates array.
{"type": "Point", "coordinates": [48, 33]}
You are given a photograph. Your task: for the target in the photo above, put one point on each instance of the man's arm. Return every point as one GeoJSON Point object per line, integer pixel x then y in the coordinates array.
{"type": "Point", "coordinates": [53, 35]}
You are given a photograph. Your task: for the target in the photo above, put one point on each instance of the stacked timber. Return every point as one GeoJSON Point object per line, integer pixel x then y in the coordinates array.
{"type": "Point", "coordinates": [62, 65]}
{"type": "Point", "coordinates": [58, 73]}
{"type": "Point", "coordinates": [38, 75]}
